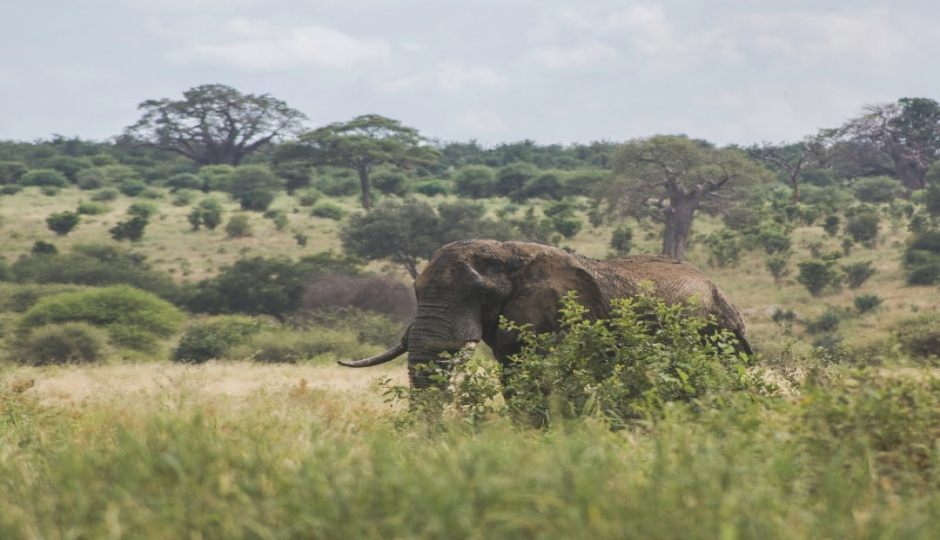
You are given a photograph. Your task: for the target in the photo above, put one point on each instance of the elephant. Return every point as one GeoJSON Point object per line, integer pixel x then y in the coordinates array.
{"type": "Point", "coordinates": [468, 284]}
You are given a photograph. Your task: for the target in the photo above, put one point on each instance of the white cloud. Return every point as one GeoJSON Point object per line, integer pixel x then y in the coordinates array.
{"type": "Point", "coordinates": [865, 41]}
{"type": "Point", "coordinates": [582, 57]}
{"type": "Point", "coordinates": [450, 76]}
{"type": "Point", "coordinates": [261, 45]}
{"type": "Point", "coordinates": [482, 122]}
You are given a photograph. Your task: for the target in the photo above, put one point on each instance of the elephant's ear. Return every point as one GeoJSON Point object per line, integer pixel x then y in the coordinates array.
{"type": "Point", "coordinates": [540, 286]}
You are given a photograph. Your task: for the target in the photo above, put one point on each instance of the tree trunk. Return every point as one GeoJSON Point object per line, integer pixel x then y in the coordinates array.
{"type": "Point", "coordinates": [366, 188]}
{"type": "Point", "coordinates": [678, 219]}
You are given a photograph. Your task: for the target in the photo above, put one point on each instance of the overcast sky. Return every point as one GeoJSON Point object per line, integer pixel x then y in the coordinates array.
{"type": "Point", "coordinates": [554, 71]}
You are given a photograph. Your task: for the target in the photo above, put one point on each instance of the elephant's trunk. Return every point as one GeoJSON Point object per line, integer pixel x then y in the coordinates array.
{"type": "Point", "coordinates": [380, 358]}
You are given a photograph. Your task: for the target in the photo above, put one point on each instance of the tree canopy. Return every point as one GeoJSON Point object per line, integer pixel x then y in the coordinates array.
{"type": "Point", "coordinates": [362, 144]}
{"type": "Point", "coordinates": [667, 178]}
{"type": "Point", "coordinates": [214, 124]}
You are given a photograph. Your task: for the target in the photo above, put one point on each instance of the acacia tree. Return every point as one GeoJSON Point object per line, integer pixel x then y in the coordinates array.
{"type": "Point", "coordinates": [898, 139]}
{"type": "Point", "coordinates": [362, 144]}
{"type": "Point", "coordinates": [793, 159]}
{"type": "Point", "coordinates": [668, 178]}
{"type": "Point", "coordinates": [214, 124]}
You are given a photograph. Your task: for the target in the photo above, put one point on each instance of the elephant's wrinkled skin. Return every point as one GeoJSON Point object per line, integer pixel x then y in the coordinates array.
{"type": "Point", "coordinates": [468, 284]}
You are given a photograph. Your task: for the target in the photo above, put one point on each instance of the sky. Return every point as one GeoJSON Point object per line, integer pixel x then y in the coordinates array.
{"type": "Point", "coordinates": [491, 71]}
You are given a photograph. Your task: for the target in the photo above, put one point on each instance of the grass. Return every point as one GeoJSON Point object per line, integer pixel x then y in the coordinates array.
{"type": "Point", "coordinates": [174, 452]}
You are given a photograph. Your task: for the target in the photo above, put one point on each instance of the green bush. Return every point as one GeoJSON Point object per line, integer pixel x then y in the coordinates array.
{"type": "Point", "coordinates": [866, 302]}
{"type": "Point", "coordinates": [817, 276]}
{"type": "Point", "coordinates": [41, 248]}
{"type": "Point", "coordinates": [216, 177]}
{"type": "Point", "coordinates": [133, 318]}
{"type": "Point", "coordinates": [391, 183]}
{"type": "Point", "coordinates": [132, 187]}
{"type": "Point", "coordinates": [20, 297]}
{"type": "Point", "coordinates": [629, 368]}
{"type": "Point", "coordinates": [475, 181]}
{"type": "Point", "coordinates": [105, 195]}
{"type": "Point", "coordinates": [11, 172]}
{"type": "Point", "coordinates": [208, 214]}
{"type": "Point", "coordinates": [143, 209]}
{"type": "Point", "coordinates": [131, 229]}
{"type": "Point", "coordinates": [44, 178]}
{"type": "Point", "coordinates": [67, 343]}
{"type": "Point", "coordinates": [863, 227]}
{"type": "Point", "coordinates": [919, 336]}
{"type": "Point", "coordinates": [184, 181]}
{"type": "Point", "coordinates": [831, 224]}
{"type": "Point", "coordinates": [92, 208]}
{"type": "Point", "coordinates": [62, 223]}
{"type": "Point", "coordinates": [106, 176]}
{"type": "Point", "coordinates": [329, 211]}
{"type": "Point", "coordinates": [877, 189]}
{"type": "Point", "coordinates": [308, 197]}
{"type": "Point", "coordinates": [724, 247]}
{"type": "Point", "coordinates": [239, 226]}
{"type": "Point", "coordinates": [857, 274]}
{"type": "Point", "coordinates": [256, 200]}
{"type": "Point", "coordinates": [213, 338]}
{"type": "Point", "coordinates": [253, 178]}
{"type": "Point", "coordinates": [432, 188]}
{"type": "Point", "coordinates": [621, 240]}
{"type": "Point", "coordinates": [11, 189]}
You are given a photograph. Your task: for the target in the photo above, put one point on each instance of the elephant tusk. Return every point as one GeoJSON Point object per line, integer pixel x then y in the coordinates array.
{"type": "Point", "coordinates": [380, 358]}
{"type": "Point", "coordinates": [464, 354]}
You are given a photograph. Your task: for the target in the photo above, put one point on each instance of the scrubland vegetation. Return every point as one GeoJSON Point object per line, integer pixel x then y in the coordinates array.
{"type": "Point", "coordinates": [170, 325]}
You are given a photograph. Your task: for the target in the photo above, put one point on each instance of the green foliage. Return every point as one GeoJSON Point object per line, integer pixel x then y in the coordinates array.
{"type": "Point", "coordinates": [133, 318]}
{"type": "Point", "coordinates": [259, 286]}
{"type": "Point", "coordinates": [432, 188]}
{"type": "Point", "coordinates": [145, 210]}
{"type": "Point", "coordinates": [107, 176]}
{"type": "Point", "coordinates": [132, 188]}
{"type": "Point", "coordinates": [632, 367]}
{"type": "Point", "coordinates": [184, 197]}
{"type": "Point", "coordinates": [67, 343]}
{"type": "Point", "coordinates": [857, 274]}
{"type": "Point", "coordinates": [621, 240]}
{"type": "Point", "coordinates": [11, 172]}
{"type": "Point", "coordinates": [817, 276]}
{"type": "Point", "coordinates": [831, 224]}
{"type": "Point", "coordinates": [563, 217]}
{"type": "Point", "coordinates": [105, 195]}
{"type": "Point", "coordinates": [63, 223]}
{"type": "Point", "coordinates": [92, 208]}
{"type": "Point", "coordinates": [131, 229]}
{"type": "Point", "coordinates": [772, 237]}
{"type": "Point", "coordinates": [475, 181]}
{"type": "Point", "coordinates": [877, 189]}
{"type": "Point", "coordinates": [921, 261]}
{"type": "Point", "coordinates": [391, 183]}
{"type": "Point", "coordinates": [777, 266]}
{"type": "Point", "coordinates": [862, 225]}
{"type": "Point", "coordinates": [919, 336]}
{"type": "Point", "coordinates": [208, 214]}
{"type": "Point", "coordinates": [826, 323]}
{"type": "Point", "coordinates": [866, 302]}
{"type": "Point", "coordinates": [216, 177]}
{"type": "Point", "coordinates": [239, 226]}
{"type": "Point", "coordinates": [95, 265]}
{"type": "Point", "coordinates": [290, 346]}
{"type": "Point", "coordinates": [43, 248]}
{"type": "Point", "coordinates": [20, 297]}
{"type": "Point", "coordinates": [247, 179]}
{"type": "Point", "coordinates": [257, 200]}
{"type": "Point", "coordinates": [548, 185]}
{"type": "Point", "coordinates": [513, 177]}
{"type": "Point", "coordinates": [213, 338]}
{"type": "Point", "coordinates": [183, 181]}
{"type": "Point", "coordinates": [724, 248]}
{"type": "Point", "coordinates": [44, 178]}
{"type": "Point", "coordinates": [338, 184]}
{"type": "Point", "coordinates": [329, 210]}
{"type": "Point", "coordinates": [931, 198]}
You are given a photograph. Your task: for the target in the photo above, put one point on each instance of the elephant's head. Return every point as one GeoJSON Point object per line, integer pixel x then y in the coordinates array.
{"type": "Point", "coordinates": [469, 284]}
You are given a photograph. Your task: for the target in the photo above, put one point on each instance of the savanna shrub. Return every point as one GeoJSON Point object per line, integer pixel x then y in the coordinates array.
{"type": "Point", "coordinates": [391, 183]}
{"type": "Point", "coordinates": [143, 209]}
{"type": "Point", "coordinates": [133, 318]}
{"type": "Point", "coordinates": [329, 211]}
{"type": "Point", "coordinates": [287, 346]}
{"type": "Point", "coordinates": [258, 199]}
{"type": "Point", "coordinates": [379, 294]}
{"type": "Point", "coordinates": [92, 208]}
{"type": "Point", "coordinates": [831, 224]}
{"type": "Point", "coordinates": [44, 177]}
{"type": "Point", "coordinates": [208, 214]}
{"type": "Point", "coordinates": [133, 187]}
{"type": "Point", "coordinates": [239, 226]}
{"type": "Point", "coordinates": [724, 247]}
{"type": "Point", "coordinates": [877, 189]}
{"type": "Point", "coordinates": [863, 227]}
{"type": "Point", "coordinates": [308, 197]}
{"type": "Point", "coordinates": [67, 343]}
{"type": "Point", "coordinates": [621, 240]}
{"type": "Point", "coordinates": [432, 188]}
{"type": "Point", "coordinates": [630, 367]}
{"type": "Point", "coordinates": [817, 275]}
{"type": "Point", "coordinates": [866, 302]}
{"type": "Point", "coordinates": [857, 274]}
{"type": "Point", "coordinates": [212, 338]}
{"type": "Point", "coordinates": [19, 298]}
{"type": "Point", "coordinates": [105, 195]}
{"type": "Point", "coordinates": [919, 336]}
{"type": "Point", "coordinates": [41, 248]}
{"type": "Point", "coordinates": [182, 181]}
{"type": "Point", "coordinates": [62, 223]}
{"type": "Point", "coordinates": [131, 229]}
